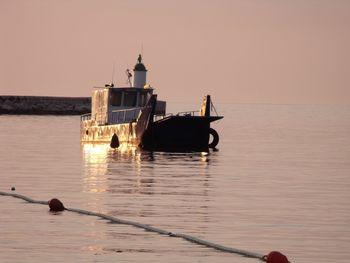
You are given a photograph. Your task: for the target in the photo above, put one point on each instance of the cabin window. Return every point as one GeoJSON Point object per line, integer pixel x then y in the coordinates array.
{"type": "Point", "coordinates": [143, 98]}
{"type": "Point", "coordinates": [130, 98]}
{"type": "Point", "coordinates": [116, 98]}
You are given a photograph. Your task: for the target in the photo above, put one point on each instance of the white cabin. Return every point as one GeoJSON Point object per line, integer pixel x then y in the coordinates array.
{"type": "Point", "coordinates": [114, 105]}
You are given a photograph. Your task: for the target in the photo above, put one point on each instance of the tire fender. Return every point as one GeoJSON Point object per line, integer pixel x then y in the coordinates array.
{"type": "Point", "coordinates": [215, 138]}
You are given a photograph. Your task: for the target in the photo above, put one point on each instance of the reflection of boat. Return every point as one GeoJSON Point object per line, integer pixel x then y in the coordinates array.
{"type": "Point", "coordinates": [133, 115]}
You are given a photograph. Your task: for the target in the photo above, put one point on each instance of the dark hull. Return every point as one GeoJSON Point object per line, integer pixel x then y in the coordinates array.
{"type": "Point", "coordinates": [177, 133]}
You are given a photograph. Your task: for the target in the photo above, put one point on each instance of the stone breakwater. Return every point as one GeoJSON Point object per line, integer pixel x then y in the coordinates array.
{"type": "Point", "coordinates": [44, 105]}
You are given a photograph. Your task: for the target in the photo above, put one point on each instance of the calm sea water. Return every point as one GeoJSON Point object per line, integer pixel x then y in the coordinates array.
{"type": "Point", "coordinates": [280, 181]}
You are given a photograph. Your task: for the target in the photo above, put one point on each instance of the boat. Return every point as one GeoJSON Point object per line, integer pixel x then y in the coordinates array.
{"type": "Point", "coordinates": [133, 115]}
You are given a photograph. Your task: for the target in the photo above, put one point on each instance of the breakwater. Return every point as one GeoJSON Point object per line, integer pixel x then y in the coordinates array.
{"type": "Point", "coordinates": [44, 105]}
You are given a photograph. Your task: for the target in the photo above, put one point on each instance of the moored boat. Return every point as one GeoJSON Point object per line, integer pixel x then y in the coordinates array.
{"type": "Point", "coordinates": [135, 116]}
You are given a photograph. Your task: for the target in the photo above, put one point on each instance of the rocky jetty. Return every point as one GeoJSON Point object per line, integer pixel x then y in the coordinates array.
{"type": "Point", "coordinates": [44, 105]}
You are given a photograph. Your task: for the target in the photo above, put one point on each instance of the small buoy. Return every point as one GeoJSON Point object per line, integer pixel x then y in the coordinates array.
{"type": "Point", "coordinates": [56, 205]}
{"type": "Point", "coordinates": [114, 141]}
{"type": "Point", "coordinates": [275, 257]}
{"type": "Point", "coordinates": [13, 188]}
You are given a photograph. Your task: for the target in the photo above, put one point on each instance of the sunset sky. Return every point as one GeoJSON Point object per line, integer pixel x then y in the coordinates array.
{"type": "Point", "coordinates": [241, 51]}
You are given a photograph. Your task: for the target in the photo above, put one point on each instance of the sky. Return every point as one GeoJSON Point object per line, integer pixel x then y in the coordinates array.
{"type": "Point", "coordinates": [239, 51]}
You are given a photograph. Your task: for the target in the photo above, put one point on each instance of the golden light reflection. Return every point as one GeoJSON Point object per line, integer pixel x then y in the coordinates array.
{"type": "Point", "coordinates": [101, 163]}
{"type": "Point", "coordinates": [204, 157]}
{"type": "Point", "coordinates": [130, 171]}
{"type": "Point", "coordinates": [95, 173]}
{"type": "Point", "coordinates": [95, 248]}
{"type": "Point", "coordinates": [95, 162]}
{"type": "Point", "coordinates": [98, 160]}
{"type": "Point", "coordinates": [94, 151]}
{"type": "Point", "coordinates": [129, 151]}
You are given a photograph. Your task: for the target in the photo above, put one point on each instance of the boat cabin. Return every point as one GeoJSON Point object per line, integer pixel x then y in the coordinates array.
{"type": "Point", "coordinates": [114, 105]}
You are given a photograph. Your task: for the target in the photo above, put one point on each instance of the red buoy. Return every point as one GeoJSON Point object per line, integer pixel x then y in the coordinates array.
{"type": "Point", "coordinates": [56, 205]}
{"type": "Point", "coordinates": [275, 257]}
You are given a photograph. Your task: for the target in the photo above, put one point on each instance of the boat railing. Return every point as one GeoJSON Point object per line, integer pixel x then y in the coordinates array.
{"type": "Point", "coordinates": [123, 116]}
{"type": "Point", "coordinates": [128, 115]}
{"type": "Point", "coordinates": [85, 117]}
{"type": "Point", "coordinates": [183, 113]}
{"type": "Point", "coordinates": [161, 116]}
{"type": "Point", "coordinates": [188, 113]}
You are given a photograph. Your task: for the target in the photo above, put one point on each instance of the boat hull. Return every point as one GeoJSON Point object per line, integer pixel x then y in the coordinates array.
{"type": "Point", "coordinates": [174, 133]}
{"type": "Point", "coordinates": [177, 133]}
{"type": "Point", "coordinates": [91, 133]}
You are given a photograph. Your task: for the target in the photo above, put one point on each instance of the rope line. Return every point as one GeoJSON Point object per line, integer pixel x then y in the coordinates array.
{"type": "Point", "coordinates": [146, 227]}
{"type": "Point", "coordinates": [25, 198]}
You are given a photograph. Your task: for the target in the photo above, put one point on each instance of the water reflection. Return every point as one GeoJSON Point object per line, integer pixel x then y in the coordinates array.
{"type": "Point", "coordinates": [147, 184]}
{"type": "Point", "coordinates": [100, 161]}
{"type": "Point", "coordinates": [95, 162]}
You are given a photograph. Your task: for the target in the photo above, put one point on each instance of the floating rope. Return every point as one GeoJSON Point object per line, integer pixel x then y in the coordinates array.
{"type": "Point", "coordinates": [25, 198]}
{"type": "Point", "coordinates": [56, 205]}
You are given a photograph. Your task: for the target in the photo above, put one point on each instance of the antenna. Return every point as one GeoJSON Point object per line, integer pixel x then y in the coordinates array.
{"type": "Point", "coordinates": [142, 49]}
{"type": "Point", "coordinates": [112, 83]}
{"type": "Point", "coordinates": [129, 75]}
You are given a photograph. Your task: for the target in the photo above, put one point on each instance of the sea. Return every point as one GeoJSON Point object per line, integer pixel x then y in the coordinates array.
{"type": "Point", "coordinates": [278, 181]}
